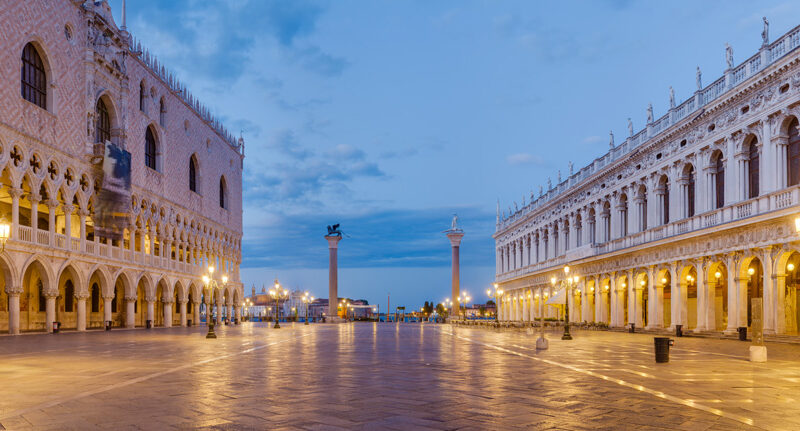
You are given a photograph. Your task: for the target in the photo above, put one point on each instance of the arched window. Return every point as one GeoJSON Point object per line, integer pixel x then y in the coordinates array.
{"type": "Point", "coordinates": [592, 227]}
{"type": "Point", "coordinates": [192, 175]}
{"type": "Point", "coordinates": [103, 132]}
{"type": "Point", "coordinates": [719, 181]}
{"type": "Point", "coordinates": [642, 205]}
{"type": "Point", "coordinates": [162, 113]}
{"type": "Point", "coordinates": [69, 296]}
{"type": "Point", "coordinates": [578, 230]}
{"type": "Point", "coordinates": [664, 197]}
{"type": "Point", "coordinates": [142, 95]}
{"type": "Point", "coordinates": [95, 298]}
{"type": "Point", "coordinates": [42, 299]}
{"type": "Point", "coordinates": [793, 159]}
{"type": "Point", "coordinates": [33, 76]}
{"type": "Point", "coordinates": [222, 192]}
{"type": "Point", "coordinates": [689, 173]}
{"type": "Point", "coordinates": [150, 149]}
{"type": "Point", "coordinates": [753, 170]}
{"type": "Point", "coordinates": [623, 215]}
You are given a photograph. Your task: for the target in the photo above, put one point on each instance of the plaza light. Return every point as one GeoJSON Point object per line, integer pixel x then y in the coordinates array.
{"type": "Point", "coordinates": [278, 293]}
{"type": "Point", "coordinates": [717, 275]}
{"type": "Point", "coordinates": [566, 284]}
{"type": "Point", "coordinates": [790, 267]}
{"type": "Point", "coordinates": [797, 224]}
{"type": "Point", "coordinates": [751, 271]}
{"type": "Point", "coordinates": [307, 300]}
{"type": "Point", "coordinates": [210, 284]}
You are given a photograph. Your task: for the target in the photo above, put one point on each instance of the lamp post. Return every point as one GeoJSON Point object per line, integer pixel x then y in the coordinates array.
{"type": "Point", "coordinates": [566, 284]}
{"type": "Point", "coordinates": [497, 293]}
{"type": "Point", "coordinates": [463, 299]}
{"type": "Point", "coordinates": [210, 283]}
{"type": "Point", "coordinates": [307, 300]}
{"type": "Point", "coordinates": [278, 293]}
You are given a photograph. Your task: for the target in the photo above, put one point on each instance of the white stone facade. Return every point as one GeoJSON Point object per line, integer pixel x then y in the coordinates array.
{"type": "Point", "coordinates": [685, 222]}
{"type": "Point", "coordinates": [53, 266]}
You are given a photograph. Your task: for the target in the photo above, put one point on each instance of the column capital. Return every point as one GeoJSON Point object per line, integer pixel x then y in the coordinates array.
{"type": "Point", "coordinates": [15, 192]}
{"type": "Point", "coordinates": [13, 290]}
{"type": "Point", "coordinates": [68, 208]}
{"type": "Point", "coordinates": [83, 212]}
{"type": "Point", "coordinates": [52, 203]}
{"type": "Point", "coordinates": [129, 298]}
{"type": "Point", "coordinates": [82, 296]}
{"type": "Point", "coordinates": [149, 298]}
{"type": "Point", "coordinates": [34, 197]}
{"type": "Point", "coordinates": [168, 300]}
{"type": "Point", "coordinates": [104, 296]}
{"type": "Point", "coordinates": [455, 238]}
{"type": "Point", "coordinates": [333, 240]}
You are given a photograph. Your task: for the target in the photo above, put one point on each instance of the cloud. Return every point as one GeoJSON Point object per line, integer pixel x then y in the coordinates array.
{"type": "Point", "coordinates": [524, 159]}
{"type": "Point", "coordinates": [386, 238]}
{"type": "Point", "coordinates": [286, 143]}
{"type": "Point", "coordinates": [317, 61]}
{"type": "Point", "coordinates": [592, 139]}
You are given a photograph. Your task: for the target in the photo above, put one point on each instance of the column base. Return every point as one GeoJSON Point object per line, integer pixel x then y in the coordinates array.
{"type": "Point", "coordinates": [758, 353]}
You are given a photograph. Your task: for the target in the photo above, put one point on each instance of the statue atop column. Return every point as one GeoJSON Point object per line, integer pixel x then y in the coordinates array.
{"type": "Point", "coordinates": [765, 33]}
{"type": "Point", "coordinates": [454, 224]}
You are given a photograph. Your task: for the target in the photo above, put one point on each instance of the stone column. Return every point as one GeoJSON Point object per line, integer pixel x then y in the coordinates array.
{"type": "Point", "coordinates": [237, 313]}
{"type": "Point", "coordinates": [34, 199]}
{"type": "Point", "coordinates": [612, 298]}
{"type": "Point", "coordinates": [107, 308]}
{"type": "Point", "coordinates": [333, 276]}
{"type": "Point", "coordinates": [15, 193]}
{"type": "Point", "coordinates": [651, 297]}
{"type": "Point", "coordinates": [168, 311]}
{"type": "Point", "coordinates": [455, 242]}
{"type": "Point", "coordinates": [196, 313]}
{"type": "Point", "coordinates": [82, 213]}
{"type": "Point", "coordinates": [81, 303]}
{"type": "Point", "coordinates": [52, 206]}
{"type": "Point", "coordinates": [525, 312]}
{"type": "Point", "coordinates": [768, 304]}
{"type": "Point", "coordinates": [50, 310]}
{"type": "Point", "coordinates": [130, 313]}
{"type": "Point", "coordinates": [13, 293]}
{"type": "Point", "coordinates": [68, 209]}
{"type": "Point", "coordinates": [182, 303]}
{"type": "Point", "coordinates": [220, 306]}
{"type": "Point", "coordinates": [732, 264]}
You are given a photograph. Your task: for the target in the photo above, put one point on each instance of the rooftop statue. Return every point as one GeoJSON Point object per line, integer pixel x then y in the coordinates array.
{"type": "Point", "coordinates": [610, 139]}
{"type": "Point", "coordinates": [728, 55]}
{"type": "Point", "coordinates": [630, 127]}
{"type": "Point", "coordinates": [334, 230]}
{"type": "Point", "coordinates": [765, 32]}
{"type": "Point", "coordinates": [671, 97]}
{"type": "Point", "coordinates": [699, 78]}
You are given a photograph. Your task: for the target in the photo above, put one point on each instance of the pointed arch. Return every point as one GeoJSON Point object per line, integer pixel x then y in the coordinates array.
{"type": "Point", "coordinates": [35, 75]}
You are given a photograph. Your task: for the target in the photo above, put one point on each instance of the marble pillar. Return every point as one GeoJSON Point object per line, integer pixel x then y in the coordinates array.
{"type": "Point", "coordinates": [333, 276]}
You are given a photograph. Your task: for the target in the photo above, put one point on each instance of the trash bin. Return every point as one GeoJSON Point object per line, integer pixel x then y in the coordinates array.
{"type": "Point", "coordinates": [149, 324]}
{"type": "Point", "coordinates": [742, 333]}
{"type": "Point", "coordinates": [56, 326]}
{"type": "Point", "coordinates": [632, 328]}
{"type": "Point", "coordinates": [108, 325]}
{"type": "Point", "coordinates": [679, 330]}
{"type": "Point", "coordinates": [662, 348]}
{"type": "Point", "coordinates": [189, 322]}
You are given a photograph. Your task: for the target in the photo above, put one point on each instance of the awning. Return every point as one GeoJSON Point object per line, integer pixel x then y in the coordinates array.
{"type": "Point", "coordinates": [559, 298]}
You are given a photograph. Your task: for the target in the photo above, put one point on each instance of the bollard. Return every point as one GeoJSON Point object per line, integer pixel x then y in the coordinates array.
{"type": "Point", "coordinates": [742, 333]}
{"type": "Point", "coordinates": [662, 348]}
{"type": "Point", "coordinates": [679, 330]}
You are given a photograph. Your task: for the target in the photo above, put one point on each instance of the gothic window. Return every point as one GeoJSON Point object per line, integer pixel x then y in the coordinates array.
{"type": "Point", "coordinates": [793, 158]}
{"type": "Point", "coordinates": [103, 132]}
{"type": "Point", "coordinates": [222, 193]}
{"type": "Point", "coordinates": [719, 181]}
{"type": "Point", "coordinates": [95, 298]}
{"type": "Point", "coordinates": [69, 296]}
{"type": "Point", "coordinates": [34, 78]}
{"type": "Point", "coordinates": [42, 299]}
{"type": "Point", "coordinates": [192, 175]}
{"type": "Point", "coordinates": [162, 113]}
{"type": "Point", "coordinates": [150, 149]}
{"type": "Point", "coordinates": [142, 96]}
{"type": "Point", "coordinates": [753, 170]}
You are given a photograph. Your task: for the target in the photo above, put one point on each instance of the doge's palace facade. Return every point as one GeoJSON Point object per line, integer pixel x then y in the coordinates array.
{"type": "Point", "coordinates": [683, 223]}
{"type": "Point", "coordinates": [72, 84]}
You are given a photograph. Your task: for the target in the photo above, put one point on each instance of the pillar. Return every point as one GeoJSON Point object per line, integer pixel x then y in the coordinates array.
{"type": "Point", "coordinates": [130, 314]}
{"type": "Point", "coordinates": [675, 293]}
{"type": "Point", "coordinates": [455, 235]}
{"type": "Point", "coordinates": [50, 311]}
{"type": "Point", "coordinates": [52, 205]}
{"type": "Point", "coordinates": [333, 276]}
{"type": "Point", "coordinates": [151, 300]}
{"type": "Point", "coordinates": [196, 313]}
{"type": "Point", "coordinates": [34, 199]}
{"type": "Point", "coordinates": [218, 318]}
{"type": "Point", "coordinates": [183, 311]}
{"type": "Point", "coordinates": [15, 193]}
{"type": "Point", "coordinates": [13, 293]}
{"type": "Point", "coordinates": [732, 264]}
{"type": "Point", "coordinates": [82, 213]}
{"type": "Point", "coordinates": [81, 303]}
{"type": "Point", "coordinates": [769, 311]}
{"type": "Point", "coordinates": [68, 209]}
{"type": "Point", "coordinates": [525, 311]}
{"type": "Point", "coordinates": [168, 313]}
{"type": "Point", "coordinates": [107, 308]}
{"type": "Point", "coordinates": [237, 313]}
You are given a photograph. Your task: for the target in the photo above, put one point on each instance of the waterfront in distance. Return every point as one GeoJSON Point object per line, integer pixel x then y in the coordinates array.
{"type": "Point", "coordinates": [387, 376]}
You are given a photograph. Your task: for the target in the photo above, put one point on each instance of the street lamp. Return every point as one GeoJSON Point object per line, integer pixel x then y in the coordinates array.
{"type": "Point", "coordinates": [210, 284]}
{"type": "Point", "coordinates": [497, 293]}
{"type": "Point", "coordinates": [464, 298]}
{"type": "Point", "coordinates": [307, 300]}
{"type": "Point", "coordinates": [278, 293]}
{"type": "Point", "coordinates": [566, 284]}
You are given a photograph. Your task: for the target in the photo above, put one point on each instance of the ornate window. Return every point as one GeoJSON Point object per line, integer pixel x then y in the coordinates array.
{"type": "Point", "coordinates": [222, 192]}
{"type": "Point", "coordinates": [142, 95]}
{"type": "Point", "coordinates": [34, 78]}
{"type": "Point", "coordinates": [793, 159]}
{"type": "Point", "coordinates": [95, 298]}
{"type": "Point", "coordinates": [192, 175]}
{"type": "Point", "coordinates": [103, 132]}
{"type": "Point", "coordinates": [719, 181]}
{"type": "Point", "coordinates": [69, 296]}
{"type": "Point", "coordinates": [690, 182]}
{"type": "Point", "coordinates": [150, 149]}
{"type": "Point", "coordinates": [753, 170]}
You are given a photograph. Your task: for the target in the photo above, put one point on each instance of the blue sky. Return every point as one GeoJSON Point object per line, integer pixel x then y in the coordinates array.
{"type": "Point", "coordinates": [388, 117]}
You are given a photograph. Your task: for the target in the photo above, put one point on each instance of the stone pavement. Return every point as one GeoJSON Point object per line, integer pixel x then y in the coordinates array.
{"type": "Point", "coordinates": [388, 376]}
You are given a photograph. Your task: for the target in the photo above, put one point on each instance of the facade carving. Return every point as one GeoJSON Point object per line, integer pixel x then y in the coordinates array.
{"type": "Point", "coordinates": [685, 222]}
{"type": "Point", "coordinates": [72, 82]}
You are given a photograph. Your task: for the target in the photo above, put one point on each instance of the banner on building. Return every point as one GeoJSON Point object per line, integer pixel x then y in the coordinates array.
{"type": "Point", "coordinates": [113, 206]}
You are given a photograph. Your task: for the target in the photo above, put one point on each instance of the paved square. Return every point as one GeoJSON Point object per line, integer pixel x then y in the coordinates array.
{"type": "Point", "coordinates": [388, 376]}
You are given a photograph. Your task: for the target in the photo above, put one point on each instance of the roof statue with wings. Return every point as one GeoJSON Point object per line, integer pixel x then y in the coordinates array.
{"type": "Point", "coordinates": [334, 230]}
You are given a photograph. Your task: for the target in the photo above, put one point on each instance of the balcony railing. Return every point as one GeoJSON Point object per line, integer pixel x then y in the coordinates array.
{"type": "Point", "coordinates": [764, 204]}
{"type": "Point", "coordinates": [26, 235]}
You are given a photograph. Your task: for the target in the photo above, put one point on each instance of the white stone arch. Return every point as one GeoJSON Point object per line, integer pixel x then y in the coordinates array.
{"type": "Point", "coordinates": [106, 286]}
{"type": "Point", "coordinates": [149, 285]}
{"type": "Point", "coordinates": [73, 269]}
{"type": "Point", "coordinates": [42, 264]}
{"type": "Point", "coordinates": [10, 272]}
